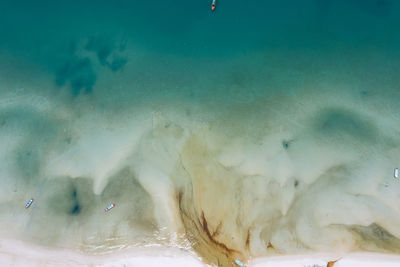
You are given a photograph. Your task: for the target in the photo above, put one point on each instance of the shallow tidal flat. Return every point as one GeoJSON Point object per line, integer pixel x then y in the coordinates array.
{"type": "Point", "coordinates": [265, 180]}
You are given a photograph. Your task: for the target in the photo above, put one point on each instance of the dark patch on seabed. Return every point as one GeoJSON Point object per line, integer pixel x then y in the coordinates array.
{"type": "Point", "coordinates": [79, 71]}
{"type": "Point", "coordinates": [286, 144]}
{"type": "Point", "coordinates": [108, 52]}
{"type": "Point", "coordinates": [376, 238]}
{"type": "Point", "coordinates": [69, 204]}
{"type": "Point", "coordinates": [77, 208]}
{"type": "Point", "coordinates": [69, 196]}
{"type": "Point", "coordinates": [341, 123]}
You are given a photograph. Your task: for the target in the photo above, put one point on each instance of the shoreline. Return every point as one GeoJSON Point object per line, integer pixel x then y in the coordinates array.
{"type": "Point", "coordinates": [18, 253]}
{"type": "Point", "coordinates": [354, 259]}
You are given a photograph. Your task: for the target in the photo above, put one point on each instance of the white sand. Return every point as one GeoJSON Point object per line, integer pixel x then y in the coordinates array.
{"type": "Point", "coordinates": [321, 260]}
{"type": "Point", "coordinates": [17, 253]}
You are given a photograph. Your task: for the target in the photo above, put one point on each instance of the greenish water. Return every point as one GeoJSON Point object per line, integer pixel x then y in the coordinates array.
{"type": "Point", "coordinates": [258, 129]}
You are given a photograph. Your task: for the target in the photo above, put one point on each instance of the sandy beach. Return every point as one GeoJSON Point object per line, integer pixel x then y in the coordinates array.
{"type": "Point", "coordinates": [16, 253]}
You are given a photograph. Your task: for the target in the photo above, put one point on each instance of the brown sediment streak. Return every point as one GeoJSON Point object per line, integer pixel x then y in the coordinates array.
{"type": "Point", "coordinates": [331, 263]}
{"type": "Point", "coordinates": [202, 239]}
{"type": "Point", "coordinates": [180, 196]}
{"type": "Point", "coordinates": [217, 230]}
{"type": "Point", "coordinates": [210, 236]}
{"type": "Point", "coordinates": [270, 245]}
{"type": "Point", "coordinates": [248, 240]}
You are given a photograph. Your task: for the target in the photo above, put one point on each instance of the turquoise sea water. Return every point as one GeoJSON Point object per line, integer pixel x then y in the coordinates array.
{"type": "Point", "coordinates": [264, 127]}
{"type": "Point", "coordinates": [182, 37]}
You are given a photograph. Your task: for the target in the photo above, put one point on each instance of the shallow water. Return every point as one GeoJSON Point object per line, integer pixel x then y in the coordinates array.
{"type": "Point", "coordinates": [258, 129]}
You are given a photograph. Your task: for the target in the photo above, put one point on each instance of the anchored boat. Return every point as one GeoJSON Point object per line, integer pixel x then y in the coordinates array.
{"type": "Point", "coordinates": [214, 3]}
{"type": "Point", "coordinates": [29, 203]}
{"type": "Point", "coordinates": [112, 205]}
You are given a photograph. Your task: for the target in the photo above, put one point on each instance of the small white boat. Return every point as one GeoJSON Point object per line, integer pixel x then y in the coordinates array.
{"type": "Point", "coordinates": [112, 205]}
{"type": "Point", "coordinates": [213, 4]}
{"type": "Point", "coordinates": [396, 173]}
{"type": "Point", "coordinates": [29, 203]}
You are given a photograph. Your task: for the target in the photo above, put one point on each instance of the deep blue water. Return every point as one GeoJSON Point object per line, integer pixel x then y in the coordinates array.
{"type": "Point", "coordinates": [137, 51]}
{"type": "Point", "coordinates": [40, 28]}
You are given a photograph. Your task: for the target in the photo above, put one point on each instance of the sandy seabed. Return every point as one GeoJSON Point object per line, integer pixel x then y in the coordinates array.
{"type": "Point", "coordinates": [222, 187]}
{"type": "Point", "coordinates": [256, 176]}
